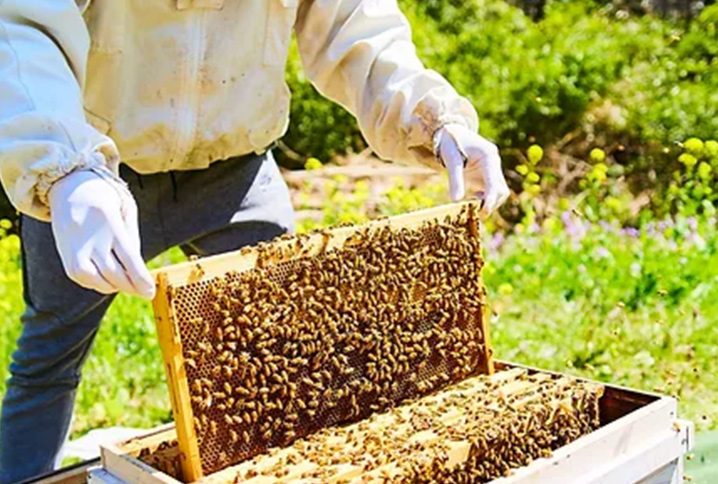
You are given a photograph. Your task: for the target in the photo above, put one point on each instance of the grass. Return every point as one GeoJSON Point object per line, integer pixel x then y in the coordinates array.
{"type": "Point", "coordinates": [631, 307]}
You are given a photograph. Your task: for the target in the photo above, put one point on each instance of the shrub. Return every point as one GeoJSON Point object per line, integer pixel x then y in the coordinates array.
{"type": "Point", "coordinates": [528, 80]}
{"type": "Point", "coordinates": [673, 94]}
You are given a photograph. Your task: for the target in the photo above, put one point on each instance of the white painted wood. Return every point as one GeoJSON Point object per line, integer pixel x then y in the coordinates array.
{"type": "Point", "coordinates": [571, 463]}
{"type": "Point", "coordinates": [669, 474]}
{"type": "Point", "coordinates": [641, 463]}
{"type": "Point", "coordinates": [101, 476]}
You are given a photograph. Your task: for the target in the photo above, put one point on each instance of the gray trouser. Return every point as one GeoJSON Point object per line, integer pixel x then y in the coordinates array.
{"type": "Point", "coordinates": [229, 205]}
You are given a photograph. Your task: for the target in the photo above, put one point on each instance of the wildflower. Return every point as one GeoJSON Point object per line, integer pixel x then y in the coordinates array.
{"type": "Point", "coordinates": [533, 177]}
{"type": "Point", "coordinates": [694, 146]}
{"type": "Point", "coordinates": [496, 241]}
{"type": "Point", "coordinates": [597, 155]}
{"type": "Point", "coordinates": [533, 189]}
{"type": "Point", "coordinates": [602, 253]}
{"type": "Point", "coordinates": [522, 170]}
{"type": "Point", "coordinates": [550, 224]}
{"type": "Point", "coordinates": [506, 289]}
{"type": "Point", "coordinates": [704, 170]}
{"type": "Point", "coordinates": [312, 164]}
{"type": "Point", "coordinates": [711, 147]}
{"type": "Point", "coordinates": [599, 172]}
{"type": "Point", "coordinates": [688, 160]}
{"type": "Point", "coordinates": [534, 153]}
{"type": "Point", "coordinates": [5, 224]}
{"type": "Point", "coordinates": [613, 203]}
{"type": "Point", "coordinates": [631, 232]}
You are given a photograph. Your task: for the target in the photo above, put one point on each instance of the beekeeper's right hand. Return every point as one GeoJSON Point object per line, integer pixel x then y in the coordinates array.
{"type": "Point", "coordinates": [94, 221]}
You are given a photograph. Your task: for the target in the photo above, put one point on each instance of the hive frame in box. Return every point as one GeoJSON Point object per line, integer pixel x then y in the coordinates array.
{"type": "Point", "coordinates": [207, 269]}
{"type": "Point", "coordinates": [641, 441]}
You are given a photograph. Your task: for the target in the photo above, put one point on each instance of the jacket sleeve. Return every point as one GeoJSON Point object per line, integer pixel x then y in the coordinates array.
{"type": "Point", "coordinates": [43, 132]}
{"type": "Point", "coordinates": [359, 53]}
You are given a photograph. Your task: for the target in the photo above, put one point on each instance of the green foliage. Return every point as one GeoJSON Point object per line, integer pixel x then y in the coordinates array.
{"type": "Point", "coordinates": [319, 127]}
{"type": "Point", "coordinates": [673, 94]}
{"type": "Point", "coordinates": [528, 80]}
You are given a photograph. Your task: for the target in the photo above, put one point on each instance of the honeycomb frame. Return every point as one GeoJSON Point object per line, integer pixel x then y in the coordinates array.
{"type": "Point", "coordinates": [185, 319]}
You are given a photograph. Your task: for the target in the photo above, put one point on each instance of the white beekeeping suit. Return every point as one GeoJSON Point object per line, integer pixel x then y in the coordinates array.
{"type": "Point", "coordinates": [165, 85]}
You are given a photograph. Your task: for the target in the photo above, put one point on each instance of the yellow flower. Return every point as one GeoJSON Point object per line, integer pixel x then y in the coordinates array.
{"type": "Point", "coordinates": [711, 147]}
{"type": "Point", "coordinates": [522, 170]}
{"type": "Point", "coordinates": [602, 167]}
{"type": "Point", "coordinates": [534, 153]}
{"type": "Point", "coordinates": [564, 204]}
{"type": "Point", "coordinates": [312, 164]}
{"type": "Point", "coordinates": [533, 189]}
{"type": "Point", "coordinates": [597, 155]}
{"type": "Point", "coordinates": [599, 172]}
{"type": "Point", "coordinates": [688, 160]}
{"type": "Point", "coordinates": [550, 224]}
{"type": "Point", "coordinates": [613, 203]}
{"type": "Point", "coordinates": [506, 289]}
{"type": "Point", "coordinates": [5, 224]}
{"type": "Point", "coordinates": [704, 170]}
{"type": "Point", "coordinates": [533, 177]}
{"type": "Point", "coordinates": [694, 146]}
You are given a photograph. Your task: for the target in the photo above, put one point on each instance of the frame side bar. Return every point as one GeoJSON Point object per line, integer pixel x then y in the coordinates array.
{"type": "Point", "coordinates": [171, 346]}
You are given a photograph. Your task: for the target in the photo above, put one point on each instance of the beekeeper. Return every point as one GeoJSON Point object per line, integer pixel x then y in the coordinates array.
{"type": "Point", "coordinates": [129, 127]}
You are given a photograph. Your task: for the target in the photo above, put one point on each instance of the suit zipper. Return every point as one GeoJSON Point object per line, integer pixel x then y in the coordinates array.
{"type": "Point", "coordinates": [189, 104]}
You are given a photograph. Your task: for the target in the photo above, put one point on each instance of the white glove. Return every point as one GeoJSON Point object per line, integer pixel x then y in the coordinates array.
{"type": "Point", "coordinates": [462, 151]}
{"type": "Point", "coordinates": [94, 220]}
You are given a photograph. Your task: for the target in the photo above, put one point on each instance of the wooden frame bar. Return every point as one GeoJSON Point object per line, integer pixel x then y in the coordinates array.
{"type": "Point", "coordinates": [171, 345]}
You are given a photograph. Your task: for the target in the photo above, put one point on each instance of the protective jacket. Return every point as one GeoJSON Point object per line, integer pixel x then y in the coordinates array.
{"type": "Point", "coordinates": [178, 84]}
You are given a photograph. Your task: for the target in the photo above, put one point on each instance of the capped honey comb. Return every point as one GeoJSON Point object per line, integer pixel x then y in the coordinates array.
{"type": "Point", "coordinates": [280, 341]}
{"type": "Point", "coordinates": [475, 431]}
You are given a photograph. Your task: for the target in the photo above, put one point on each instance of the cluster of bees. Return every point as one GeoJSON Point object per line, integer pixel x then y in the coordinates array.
{"type": "Point", "coordinates": [301, 343]}
{"type": "Point", "coordinates": [472, 432]}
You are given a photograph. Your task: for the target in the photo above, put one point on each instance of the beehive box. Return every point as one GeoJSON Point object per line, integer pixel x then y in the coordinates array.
{"type": "Point", "coordinates": [628, 437]}
{"type": "Point", "coordinates": [276, 342]}
{"type": "Point", "coordinates": [279, 355]}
